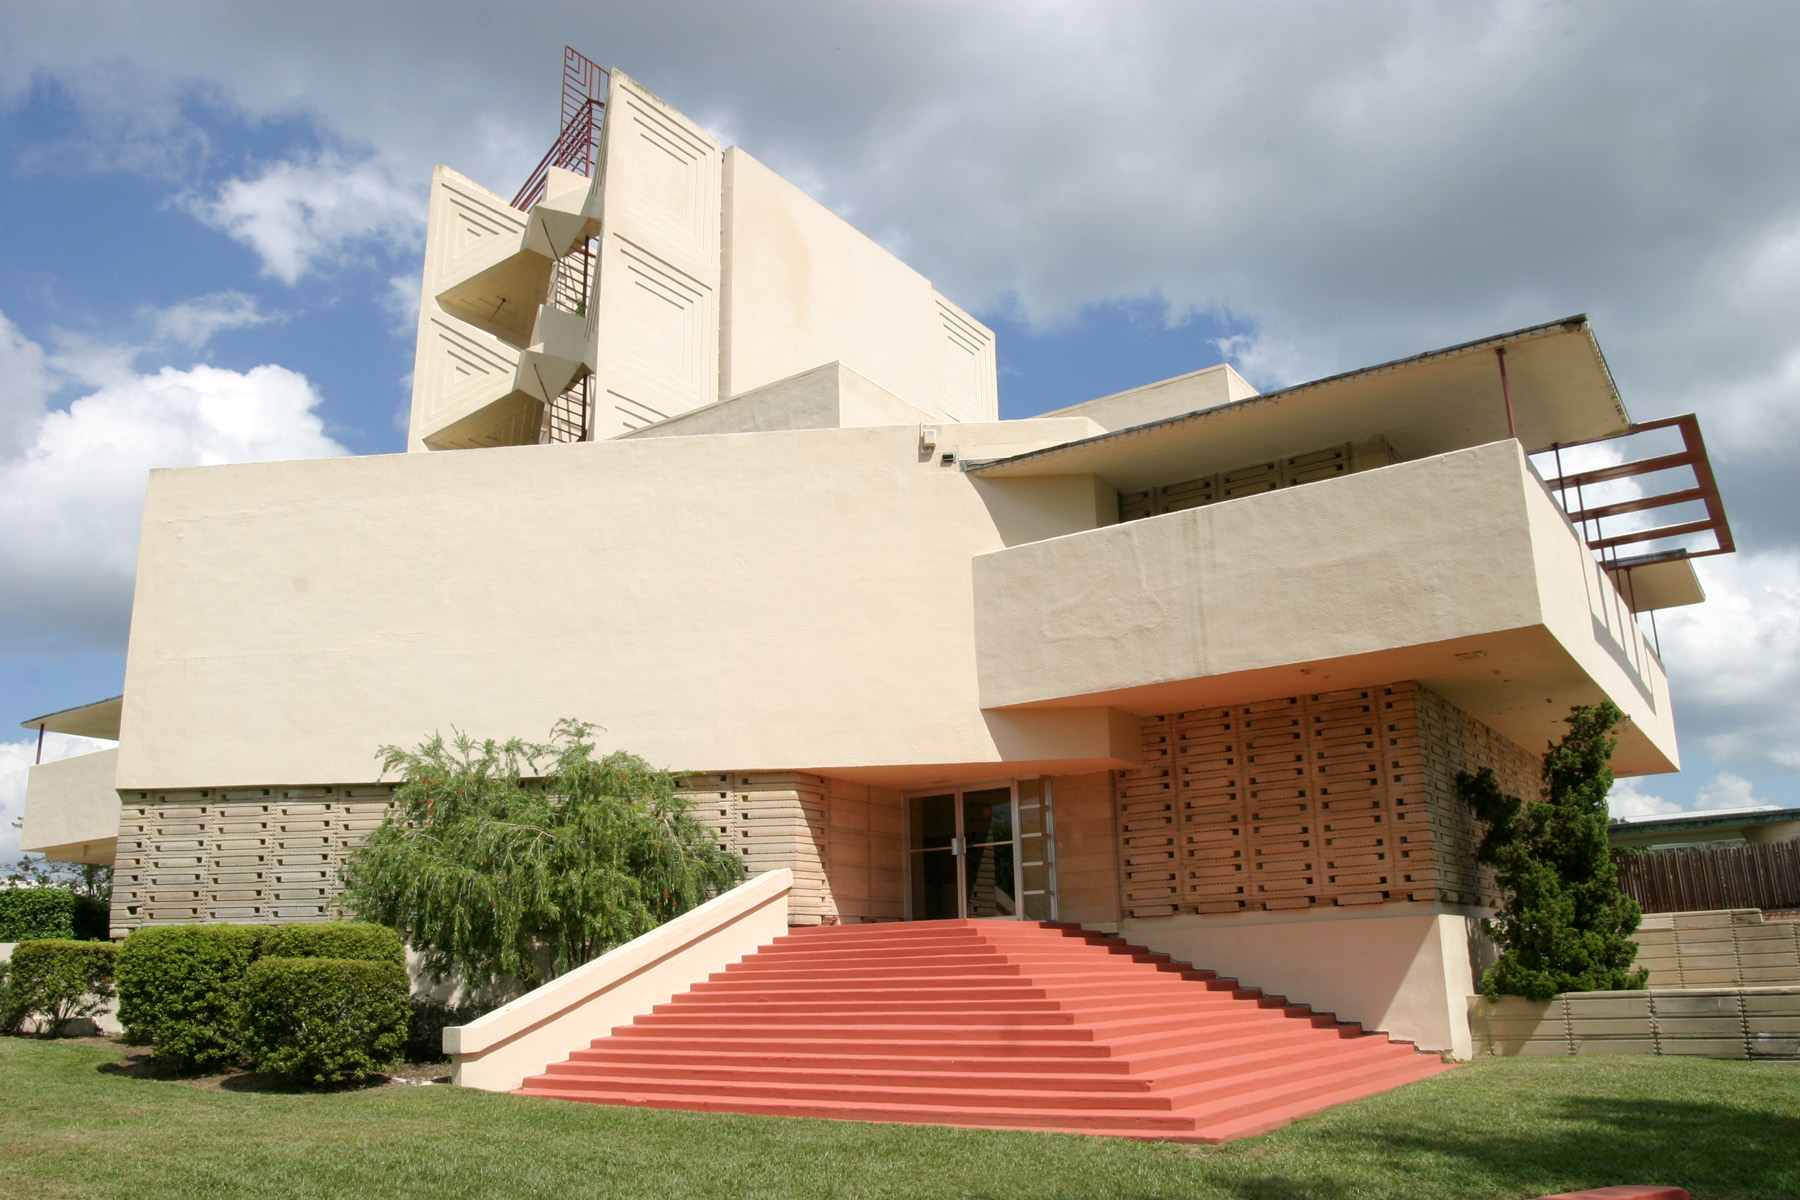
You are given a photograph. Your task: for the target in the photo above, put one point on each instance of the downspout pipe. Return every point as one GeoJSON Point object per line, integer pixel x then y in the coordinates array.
{"type": "Point", "coordinates": [1512, 429]}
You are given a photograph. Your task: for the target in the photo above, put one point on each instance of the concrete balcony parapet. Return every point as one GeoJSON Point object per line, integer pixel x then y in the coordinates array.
{"type": "Point", "coordinates": [72, 809]}
{"type": "Point", "coordinates": [1456, 570]}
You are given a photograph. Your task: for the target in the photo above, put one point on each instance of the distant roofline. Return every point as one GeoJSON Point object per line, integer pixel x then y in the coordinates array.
{"type": "Point", "coordinates": [1678, 821]}
{"type": "Point", "coordinates": [1572, 324]}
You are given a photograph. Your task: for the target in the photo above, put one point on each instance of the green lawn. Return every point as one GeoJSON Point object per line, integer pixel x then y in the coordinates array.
{"type": "Point", "coordinates": [1516, 1128]}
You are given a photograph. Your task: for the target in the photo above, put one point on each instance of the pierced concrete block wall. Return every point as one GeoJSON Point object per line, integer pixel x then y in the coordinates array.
{"type": "Point", "coordinates": [244, 855]}
{"type": "Point", "coordinates": [1338, 798]}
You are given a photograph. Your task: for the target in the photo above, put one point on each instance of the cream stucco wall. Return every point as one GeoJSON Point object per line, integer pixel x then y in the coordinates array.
{"type": "Point", "coordinates": [831, 396]}
{"type": "Point", "coordinates": [785, 600]}
{"type": "Point", "coordinates": [1407, 970]}
{"type": "Point", "coordinates": [72, 809]}
{"type": "Point", "coordinates": [803, 287]}
{"type": "Point", "coordinates": [1197, 390]}
{"type": "Point", "coordinates": [1447, 570]}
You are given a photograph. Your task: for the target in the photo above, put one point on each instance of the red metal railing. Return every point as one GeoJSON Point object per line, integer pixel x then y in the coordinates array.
{"type": "Point", "coordinates": [1704, 490]}
{"type": "Point", "coordinates": [578, 140]}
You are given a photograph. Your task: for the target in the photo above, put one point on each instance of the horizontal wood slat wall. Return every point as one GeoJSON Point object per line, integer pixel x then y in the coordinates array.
{"type": "Point", "coordinates": [1337, 798]}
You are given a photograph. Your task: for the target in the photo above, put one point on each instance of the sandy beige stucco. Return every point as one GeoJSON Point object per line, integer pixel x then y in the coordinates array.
{"type": "Point", "coordinates": [1403, 969]}
{"type": "Point", "coordinates": [1455, 570]}
{"type": "Point", "coordinates": [72, 809]}
{"type": "Point", "coordinates": [784, 600]}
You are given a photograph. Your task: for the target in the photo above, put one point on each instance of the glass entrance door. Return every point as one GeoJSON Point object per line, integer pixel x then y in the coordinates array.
{"type": "Point", "coordinates": [964, 853]}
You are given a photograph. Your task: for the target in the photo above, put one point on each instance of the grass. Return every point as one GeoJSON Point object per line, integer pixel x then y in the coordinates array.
{"type": "Point", "coordinates": [72, 1125]}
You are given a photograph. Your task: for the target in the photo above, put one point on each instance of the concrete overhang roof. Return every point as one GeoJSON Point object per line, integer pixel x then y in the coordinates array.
{"type": "Point", "coordinates": [97, 720]}
{"type": "Point", "coordinates": [1428, 404]}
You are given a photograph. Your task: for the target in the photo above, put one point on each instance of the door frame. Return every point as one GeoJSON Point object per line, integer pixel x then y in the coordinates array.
{"type": "Point", "coordinates": [961, 855]}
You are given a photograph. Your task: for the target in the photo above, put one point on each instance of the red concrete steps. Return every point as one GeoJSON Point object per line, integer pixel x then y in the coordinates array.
{"type": "Point", "coordinates": [988, 1024]}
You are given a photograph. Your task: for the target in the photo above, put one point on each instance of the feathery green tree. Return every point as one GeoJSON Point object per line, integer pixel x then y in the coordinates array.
{"type": "Point", "coordinates": [510, 863]}
{"type": "Point", "coordinates": [1566, 925]}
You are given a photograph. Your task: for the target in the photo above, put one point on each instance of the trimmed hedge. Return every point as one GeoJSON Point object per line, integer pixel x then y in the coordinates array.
{"type": "Point", "coordinates": [361, 940]}
{"type": "Point", "coordinates": [41, 913]}
{"type": "Point", "coordinates": [181, 989]}
{"type": "Point", "coordinates": [324, 1020]}
{"type": "Point", "coordinates": [58, 980]}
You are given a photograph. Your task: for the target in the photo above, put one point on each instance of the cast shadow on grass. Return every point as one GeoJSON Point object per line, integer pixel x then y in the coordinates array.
{"type": "Point", "coordinates": [139, 1066]}
{"type": "Point", "coordinates": [1717, 1151]}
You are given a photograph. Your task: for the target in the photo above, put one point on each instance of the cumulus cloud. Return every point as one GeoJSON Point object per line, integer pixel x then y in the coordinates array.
{"type": "Point", "coordinates": [1628, 801]}
{"type": "Point", "coordinates": [1728, 792]}
{"type": "Point", "coordinates": [192, 323]}
{"type": "Point", "coordinates": [72, 493]}
{"type": "Point", "coordinates": [25, 386]}
{"type": "Point", "coordinates": [1734, 662]}
{"type": "Point", "coordinates": [16, 759]}
{"type": "Point", "coordinates": [297, 215]}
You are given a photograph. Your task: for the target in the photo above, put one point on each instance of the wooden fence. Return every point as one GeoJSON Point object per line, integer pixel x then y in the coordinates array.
{"type": "Point", "coordinates": [1689, 880]}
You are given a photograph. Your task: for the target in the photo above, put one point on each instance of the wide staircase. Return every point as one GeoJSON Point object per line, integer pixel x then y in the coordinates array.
{"type": "Point", "coordinates": [991, 1024]}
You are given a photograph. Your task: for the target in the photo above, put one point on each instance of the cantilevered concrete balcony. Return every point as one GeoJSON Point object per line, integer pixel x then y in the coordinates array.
{"type": "Point", "coordinates": [1458, 570]}
{"type": "Point", "coordinates": [71, 807]}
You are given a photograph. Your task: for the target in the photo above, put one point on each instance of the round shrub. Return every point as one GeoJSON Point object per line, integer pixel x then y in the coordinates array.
{"type": "Point", "coordinates": [55, 981]}
{"type": "Point", "coordinates": [363, 940]}
{"type": "Point", "coordinates": [181, 990]}
{"type": "Point", "coordinates": [324, 1020]}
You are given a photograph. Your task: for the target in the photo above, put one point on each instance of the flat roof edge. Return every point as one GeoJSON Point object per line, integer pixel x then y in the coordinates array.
{"type": "Point", "coordinates": [1572, 324]}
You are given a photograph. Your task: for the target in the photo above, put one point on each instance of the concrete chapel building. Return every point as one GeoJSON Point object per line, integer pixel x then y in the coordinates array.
{"type": "Point", "coordinates": [693, 459]}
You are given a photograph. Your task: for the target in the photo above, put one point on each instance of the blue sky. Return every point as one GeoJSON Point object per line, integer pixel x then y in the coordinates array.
{"type": "Point", "coordinates": [211, 219]}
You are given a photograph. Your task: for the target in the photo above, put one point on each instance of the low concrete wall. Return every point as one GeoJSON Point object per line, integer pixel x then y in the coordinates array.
{"type": "Point", "coordinates": [498, 1051]}
{"type": "Point", "coordinates": [1722, 948]}
{"type": "Point", "coordinates": [1750, 1022]}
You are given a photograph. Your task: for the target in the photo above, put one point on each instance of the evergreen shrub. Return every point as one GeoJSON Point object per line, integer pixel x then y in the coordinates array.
{"type": "Point", "coordinates": [32, 913]}
{"type": "Point", "coordinates": [362, 940]}
{"type": "Point", "coordinates": [425, 1030]}
{"type": "Point", "coordinates": [181, 990]}
{"type": "Point", "coordinates": [6, 1025]}
{"type": "Point", "coordinates": [57, 980]}
{"type": "Point", "coordinates": [324, 1020]}
{"type": "Point", "coordinates": [1566, 925]}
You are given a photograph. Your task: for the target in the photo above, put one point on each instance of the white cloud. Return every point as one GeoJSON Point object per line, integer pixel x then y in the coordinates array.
{"type": "Point", "coordinates": [296, 215]}
{"type": "Point", "coordinates": [1734, 661]}
{"type": "Point", "coordinates": [192, 323]}
{"type": "Point", "coordinates": [71, 499]}
{"type": "Point", "coordinates": [1629, 802]}
{"type": "Point", "coordinates": [16, 759]}
{"type": "Point", "coordinates": [1728, 791]}
{"type": "Point", "coordinates": [25, 387]}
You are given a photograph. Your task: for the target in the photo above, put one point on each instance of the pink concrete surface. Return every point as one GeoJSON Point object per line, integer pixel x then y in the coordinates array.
{"type": "Point", "coordinates": [987, 1024]}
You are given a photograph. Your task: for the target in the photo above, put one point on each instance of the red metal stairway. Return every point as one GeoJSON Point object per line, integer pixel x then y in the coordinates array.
{"type": "Point", "coordinates": [991, 1024]}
